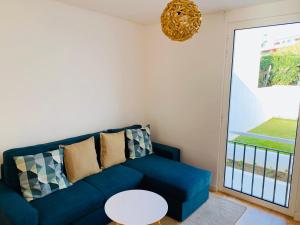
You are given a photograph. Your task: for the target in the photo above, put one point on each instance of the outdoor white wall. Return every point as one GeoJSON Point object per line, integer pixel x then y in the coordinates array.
{"type": "Point", "coordinates": [184, 89]}
{"type": "Point", "coordinates": [281, 101]}
{"type": "Point", "coordinates": [250, 105]}
{"type": "Point", "coordinates": [65, 71]}
{"type": "Point", "coordinates": [246, 106]}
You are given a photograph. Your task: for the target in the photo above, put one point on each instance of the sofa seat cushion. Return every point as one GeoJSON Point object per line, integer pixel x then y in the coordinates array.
{"type": "Point", "coordinates": [67, 205]}
{"type": "Point", "coordinates": [115, 179]}
{"type": "Point", "coordinates": [171, 178]}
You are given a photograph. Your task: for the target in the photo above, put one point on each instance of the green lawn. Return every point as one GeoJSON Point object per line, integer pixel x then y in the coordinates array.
{"type": "Point", "coordinates": [275, 127]}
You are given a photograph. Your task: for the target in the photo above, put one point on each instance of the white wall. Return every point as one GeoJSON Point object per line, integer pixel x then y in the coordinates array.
{"type": "Point", "coordinates": [264, 11]}
{"type": "Point", "coordinates": [66, 71]}
{"type": "Point", "coordinates": [184, 89]}
{"type": "Point", "coordinates": [185, 83]}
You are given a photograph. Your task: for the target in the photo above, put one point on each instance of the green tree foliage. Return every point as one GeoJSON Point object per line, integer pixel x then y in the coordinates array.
{"type": "Point", "coordinates": [265, 62]}
{"type": "Point", "coordinates": [284, 66]}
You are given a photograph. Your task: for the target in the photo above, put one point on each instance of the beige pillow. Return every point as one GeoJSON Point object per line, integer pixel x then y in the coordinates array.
{"type": "Point", "coordinates": [81, 160]}
{"type": "Point", "coordinates": [112, 149]}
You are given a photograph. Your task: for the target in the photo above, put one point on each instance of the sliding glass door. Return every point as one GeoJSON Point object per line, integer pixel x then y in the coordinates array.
{"type": "Point", "coordinates": [263, 114]}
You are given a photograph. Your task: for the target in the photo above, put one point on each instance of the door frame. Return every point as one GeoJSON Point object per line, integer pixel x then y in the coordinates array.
{"type": "Point", "coordinates": [227, 76]}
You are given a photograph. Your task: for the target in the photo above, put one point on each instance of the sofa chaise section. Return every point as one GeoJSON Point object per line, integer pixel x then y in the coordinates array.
{"type": "Point", "coordinates": [184, 187]}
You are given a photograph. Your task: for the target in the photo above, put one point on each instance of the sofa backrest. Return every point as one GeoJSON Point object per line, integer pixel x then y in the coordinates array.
{"type": "Point", "coordinates": [9, 170]}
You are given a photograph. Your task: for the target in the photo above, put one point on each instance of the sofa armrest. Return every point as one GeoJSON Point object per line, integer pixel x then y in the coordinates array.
{"type": "Point", "coordinates": [14, 209]}
{"type": "Point", "coordinates": [166, 151]}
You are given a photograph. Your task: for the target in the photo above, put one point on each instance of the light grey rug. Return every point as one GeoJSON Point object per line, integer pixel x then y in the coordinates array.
{"type": "Point", "coordinates": [216, 211]}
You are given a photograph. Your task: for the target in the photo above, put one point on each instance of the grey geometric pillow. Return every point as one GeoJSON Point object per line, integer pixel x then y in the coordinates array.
{"type": "Point", "coordinates": [139, 142]}
{"type": "Point", "coordinates": [41, 174]}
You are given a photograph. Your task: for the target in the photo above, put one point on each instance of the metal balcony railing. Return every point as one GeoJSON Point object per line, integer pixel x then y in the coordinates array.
{"type": "Point", "coordinates": [264, 173]}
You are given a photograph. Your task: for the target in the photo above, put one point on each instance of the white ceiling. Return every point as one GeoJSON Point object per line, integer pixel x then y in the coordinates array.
{"type": "Point", "coordinates": [149, 11]}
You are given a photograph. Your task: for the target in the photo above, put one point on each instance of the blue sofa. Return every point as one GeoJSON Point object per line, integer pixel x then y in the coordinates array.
{"type": "Point", "coordinates": [184, 187]}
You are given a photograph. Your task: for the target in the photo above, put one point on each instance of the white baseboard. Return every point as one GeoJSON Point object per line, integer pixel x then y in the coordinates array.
{"type": "Point", "coordinates": [297, 216]}
{"type": "Point", "coordinates": [213, 188]}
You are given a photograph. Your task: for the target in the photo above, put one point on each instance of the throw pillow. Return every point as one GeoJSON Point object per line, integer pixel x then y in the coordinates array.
{"type": "Point", "coordinates": [81, 160]}
{"type": "Point", "coordinates": [139, 142]}
{"type": "Point", "coordinates": [41, 174]}
{"type": "Point", "coordinates": [112, 149]}
{"type": "Point", "coordinates": [116, 130]}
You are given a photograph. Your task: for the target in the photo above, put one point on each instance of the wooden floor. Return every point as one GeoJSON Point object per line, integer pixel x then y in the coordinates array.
{"type": "Point", "coordinates": [254, 215]}
{"type": "Point", "coordinates": [260, 215]}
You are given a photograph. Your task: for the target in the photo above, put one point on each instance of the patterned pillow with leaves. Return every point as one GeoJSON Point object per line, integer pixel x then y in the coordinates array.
{"type": "Point", "coordinates": [139, 142]}
{"type": "Point", "coordinates": [41, 174]}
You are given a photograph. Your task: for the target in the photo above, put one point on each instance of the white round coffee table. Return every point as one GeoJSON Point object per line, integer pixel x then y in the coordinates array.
{"type": "Point", "coordinates": [136, 207]}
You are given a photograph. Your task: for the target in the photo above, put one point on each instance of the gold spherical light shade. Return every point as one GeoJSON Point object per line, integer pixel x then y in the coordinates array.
{"type": "Point", "coordinates": [181, 19]}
